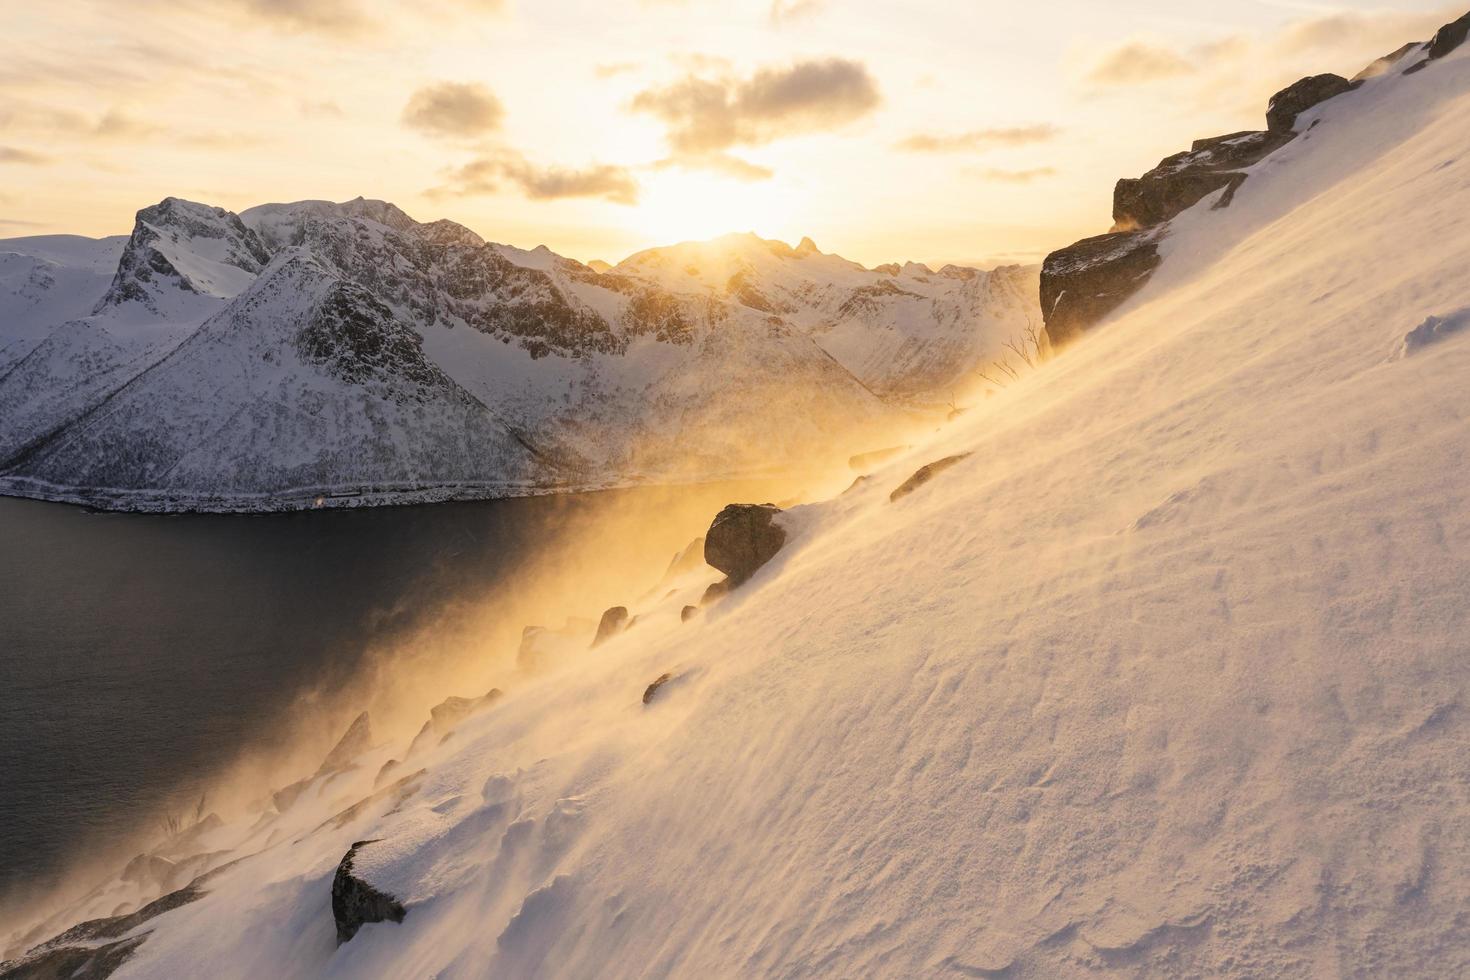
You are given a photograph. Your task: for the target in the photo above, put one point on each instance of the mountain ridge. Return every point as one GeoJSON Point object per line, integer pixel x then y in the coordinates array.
{"type": "Point", "coordinates": [669, 366]}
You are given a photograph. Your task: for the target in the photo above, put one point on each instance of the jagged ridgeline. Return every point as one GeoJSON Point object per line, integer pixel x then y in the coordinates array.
{"type": "Point", "coordinates": [314, 353]}
{"type": "Point", "coordinates": [1082, 284]}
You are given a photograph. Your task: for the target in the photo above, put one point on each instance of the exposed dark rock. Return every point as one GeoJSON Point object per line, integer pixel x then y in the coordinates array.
{"type": "Point", "coordinates": [652, 689]}
{"type": "Point", "coordinates": [742, 538]}
{"type": "Point", "coordinates": [452, 710]}
{"type": "Point", "coordinates": [716, 592]}
{"type": "Point", "coordinates": [688, 613]}
{"type": "Point", "coordinates": [613, 622]}
{"type": "Point", "coordinates": [355, 902]}
{"type": "Point", "coordinates": [1086, 281]}
{"type": "Point", "coordinates": [1446, 39]}
{"type": "Point", "coordinates": [924, 474]}
{"type": "Point", "coordinates": [72, 962]}
{"type": "Point", "coordinates": [1300, 96]}
{"type": "Point", "coordinates": [1181, 181]}
{"type": "Point", "coordinates": [354, 742]}
{"type": "Point", "coordinates": [84, 950]}
{"type": "Point", "coordinates": [866, 461]}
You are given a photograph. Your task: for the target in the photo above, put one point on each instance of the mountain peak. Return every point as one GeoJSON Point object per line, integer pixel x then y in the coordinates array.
{"type": "Point", "coordinates": [807, 247]}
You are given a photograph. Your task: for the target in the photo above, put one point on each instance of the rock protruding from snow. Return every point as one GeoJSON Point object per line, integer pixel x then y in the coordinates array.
{"type": "Point", "coordinates": [742, 538]}
{"type": "Point", "coordinates": [652, 689]}
{"type": "Point", "coordinates": [1082, 283]}
{"type": "Point", "coordinates": [1446, 39]}
{"type": "Point", "coordinates": [923, 475]}
{"type": "Point", "coordinates": [453, 710]}
{"type": "Point", "coordinates": [355, 902]}
{"type": "Point", "coordinates": [1300, 96]}
{"type": "Point", "coordinates": [1181, 181]}
{"type": "Point", "coordinates": [180, 247]}
{"type": "Point", "coordinates": [354, 742]}
{"type": "Point", "coordinates": [613, 622]}
{"type": "Point", "coordinates": [1085, 282]}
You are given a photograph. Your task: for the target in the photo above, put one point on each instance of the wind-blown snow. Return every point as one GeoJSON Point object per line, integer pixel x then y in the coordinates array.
{"type": "Point", "coordinates": [1168, 676]}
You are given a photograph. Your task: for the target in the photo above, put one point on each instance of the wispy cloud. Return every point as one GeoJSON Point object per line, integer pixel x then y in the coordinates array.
{"type": "Point", "coordinates": [457, 110]}
{"type": "Point", "coordinates": [1139, 62]}
{"type": "Point", "coordinates": [1018, 176]}
{"type": "Point", "coordinates": [494, 172]}
{"type": "Point", "coordinates": [11, 154]}
{"type": "Point", "coordinates": [786, 11]}
{"type": "Point", "coordinates": [613, 69]}
{"type": "Point", "coordinates": [978, 139]}
{"type": "Point", "coordinates": [706, 118]}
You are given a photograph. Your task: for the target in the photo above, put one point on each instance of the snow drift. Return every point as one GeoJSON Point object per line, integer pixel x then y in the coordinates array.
{"type": "Point", "coordinates": [1166, 676]}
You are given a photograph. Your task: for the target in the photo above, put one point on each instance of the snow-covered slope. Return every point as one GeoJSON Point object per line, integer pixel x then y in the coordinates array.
{"type": "Point", "coordinates": [695, 361]}
{"type": "Point", "coordinates": [1167, 677]}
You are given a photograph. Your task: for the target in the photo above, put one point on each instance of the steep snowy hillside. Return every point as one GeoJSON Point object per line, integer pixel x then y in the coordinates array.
{"type": "Point", "coordinates": [695, 361]}
{"type": "Point", "coordinates": [1163, 673]}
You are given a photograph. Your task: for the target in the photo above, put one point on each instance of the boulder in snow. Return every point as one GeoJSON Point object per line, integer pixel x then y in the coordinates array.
{"type": "Point", "coordinates": [688, 613]}
{"type": "Point", "coordinates": [355, 902]}
{"type": "Point", "coordinates": [613, 622]}
{"type": "Point", "coordinates": [1300, 96]}
{"type": "Point", "coordinates": [652, 689]}
{"type": "Point", "coordinates": [742, 538]}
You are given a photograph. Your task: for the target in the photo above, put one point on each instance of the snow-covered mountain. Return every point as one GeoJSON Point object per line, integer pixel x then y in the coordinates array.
{"type": "Point", "coordinates": [303, 351]}
{"type": "Point", "coordinates": [1163, 674]}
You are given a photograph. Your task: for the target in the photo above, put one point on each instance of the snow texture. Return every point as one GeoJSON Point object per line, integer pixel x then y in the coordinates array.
{"type": "Point", "coordinates": [1166, 677]}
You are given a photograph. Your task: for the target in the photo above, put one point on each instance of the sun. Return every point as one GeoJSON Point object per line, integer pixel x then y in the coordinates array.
{"type": "Point", "coordinates": [679, 206]}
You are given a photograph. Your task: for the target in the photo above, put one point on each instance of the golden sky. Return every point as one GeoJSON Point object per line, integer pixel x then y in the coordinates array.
{"type": "Point", "coordinates": [934, 130]}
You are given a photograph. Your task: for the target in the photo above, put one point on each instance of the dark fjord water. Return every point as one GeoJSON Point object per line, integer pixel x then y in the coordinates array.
{"type": "Point", "coordinates": [139, 652]}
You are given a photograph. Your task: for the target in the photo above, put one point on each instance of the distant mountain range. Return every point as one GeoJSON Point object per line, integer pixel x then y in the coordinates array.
{"type": "Point", "coordinates": [300, 354]}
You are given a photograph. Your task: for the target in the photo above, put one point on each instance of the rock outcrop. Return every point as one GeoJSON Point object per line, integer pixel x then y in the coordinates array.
{"type": "Point", "coordinates": [1300, 96]}
{"type": "Point", "coordinates": [1446, 39]}
{"type": "Point", "coordinates": [354, 742]}
{"type": "Point", "coordinates": [355, 902]}
{"type": "Point", "coordinates": [1085, 282]}
{"type": "Point", "coordinates": [652, 689]}
{"type": "Point", "coordinates": [613, 622]}
{"type": "Point", "coordinates": [742, 538]}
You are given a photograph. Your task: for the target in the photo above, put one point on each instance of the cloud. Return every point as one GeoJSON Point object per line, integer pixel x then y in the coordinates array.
{"type": "Point", "coordinates": [19, 223]}
{"type": "Point", "coordinates": [1357, 30]}
{"type": "Point", "coordinates": [614, 69]}
{"type": "Point", "coordinates": [11, 154]}
{"type": "Point", "coordinates": [320, 109]}
{"type": "Point", "coordinates": [458, 110]}
{"type": "Point", "coordinates": [328, 16]}
{"type": "Point", "coordinates": [978, 139]}
{"type": "Point", "coordinates": [786, 11]}
{"type": "Point", "coordinates": [1346, 37]}
{"type": "Point", "coordinates": [1139, 62]}
{"type": "Point", "coordinates": [721, 163]}
{"type": "Point", "coordinates": [705, 118]}
{"type": "Point", "coordinates": [1018, 176]}
{"type": "Point", "coordinates": [491, 173]}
